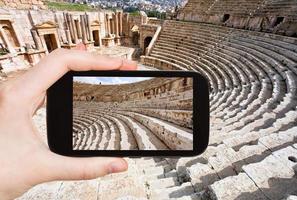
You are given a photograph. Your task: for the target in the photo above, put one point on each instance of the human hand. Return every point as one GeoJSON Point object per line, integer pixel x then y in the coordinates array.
{"type": "Point", "coordinates": [25, 159]}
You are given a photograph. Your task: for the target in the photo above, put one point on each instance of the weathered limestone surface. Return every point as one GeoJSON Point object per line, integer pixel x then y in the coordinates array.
{"type": "Point", "coordinates": [252, 75]}
{"type": "Point", "coordinates": [78, 190]}
{"type": "Point", "coordinates": [23, 4]}
{"type": "Point", "coordinates": [270, 16]}
{"type": "Point", "coordinates": [253, 108]}
{"type": "Point", "coordinates": [28, 34]}
{"type": "Point", "coordinates": [116, 117]}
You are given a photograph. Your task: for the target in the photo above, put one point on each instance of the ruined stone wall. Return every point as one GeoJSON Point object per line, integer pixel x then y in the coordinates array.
{"type": "Point", "coordinates": [25, 20]}
{"type": "Point", "coordinates": [27, 33]}
{"type": "Point", "coordinates": [128, 92]}
{"type": "Point", "coordinates": [131, 28]}
{"type": "Point", "coordinates": [267, 16]}
{"type": "Point", "coordinates": [23, 4]}
{"type": "Point", "coordinates": [146, 30]}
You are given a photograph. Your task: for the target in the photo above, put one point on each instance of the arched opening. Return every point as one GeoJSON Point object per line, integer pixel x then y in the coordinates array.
{"type": "Point", "coordinates": [96, 37]}
{"type": "Point", "coordinates": [278, 20]}
{"type": "Point", "coordinates": [146, 43]}
{"type": "Point", "coordinates": [50, 42]}
{"type": "Point", "coordinates": [225, 17]}
{"type": "Point", "coordinates": [135, 35]}
{"type": "Point", "coordinates": [3, 49]}
{"type": "Point", "coordinates": [11, 36]}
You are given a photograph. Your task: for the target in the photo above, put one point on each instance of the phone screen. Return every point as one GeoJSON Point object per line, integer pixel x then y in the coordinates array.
{"type": "Point", "coordinates": [132, 113]}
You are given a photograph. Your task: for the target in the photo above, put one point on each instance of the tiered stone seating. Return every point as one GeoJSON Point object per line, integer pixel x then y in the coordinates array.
{"type": "Point", "coordinates": [253, 143]}
{"type": "Point", "coordinates": [253, 108]}
{"type": "Point", "coordinates": [116, 129]}
{"type": "Point", "coordinates": [240, 7]}
{"type": "Point", "coordinates": [198, 6]}
{"type": "Point", "coordinates": [279, 8]}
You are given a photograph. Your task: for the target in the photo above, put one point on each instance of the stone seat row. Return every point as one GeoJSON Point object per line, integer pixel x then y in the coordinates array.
{"type": "Point", "coordinates": [274, 82]}
{"type": "Point", "coordinates": [263, 113]}
{"type": "Point", "coordinates": [220, 162]}
{"type": "Point", "coordinates": [281, 54]}
{"type": "Point", "coordinates": [225, 76]}
{"type": "Point", "coordinates": [259, 103]}
{"type": "Point", "coordinates": [84, 139]}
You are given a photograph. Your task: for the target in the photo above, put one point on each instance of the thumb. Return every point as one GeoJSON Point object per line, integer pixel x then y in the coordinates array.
{"type": "Point", "coordinates": [70, 168]}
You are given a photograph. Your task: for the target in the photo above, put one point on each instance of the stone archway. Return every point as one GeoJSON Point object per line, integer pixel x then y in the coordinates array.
{"type": "Point", "coordinates": [146, 34]}
{"type": "Point", "coordinates": [95, 30]}
{"type": "Point", "coordinates": [11, 36]}
{"type": "Point", "coordinates": [96, 38]}
{"type": "Point", "coordinates": [146, 42]}
{"type": "Point", "coordinates": [135, 35]}
{"type": "Point", "coordinates": [50, 42]}
{"type": "Point", "coordinates": [8, 37]}
{"type": "Point", "coordinates": [47, 32]}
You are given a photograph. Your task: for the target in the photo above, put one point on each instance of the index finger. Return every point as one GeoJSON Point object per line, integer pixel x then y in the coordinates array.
{"type": "Point", "coordinates": [59, 62]}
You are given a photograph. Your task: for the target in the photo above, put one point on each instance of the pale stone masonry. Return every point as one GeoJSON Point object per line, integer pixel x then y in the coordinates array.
{"type": "Point", "coordinates": [26, 35]}
{"type": "Point", "coordinates": [246, 49]}
{"type": "Point", "coordinates": [150, 114]}
{"type": "Point", "coordinates": [259, 15]}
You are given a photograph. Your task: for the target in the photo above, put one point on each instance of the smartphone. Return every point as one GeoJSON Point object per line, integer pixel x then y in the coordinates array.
{"type": "Point", "coordinates": [128, 113]}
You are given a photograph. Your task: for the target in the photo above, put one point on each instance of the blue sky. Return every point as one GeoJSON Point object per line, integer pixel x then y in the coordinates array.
{"type": "Point", "coordinates": [109, 80]}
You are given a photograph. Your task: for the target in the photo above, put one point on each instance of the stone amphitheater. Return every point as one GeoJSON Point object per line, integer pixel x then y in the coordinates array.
{"type": "Point", "coordinates": [247, 49]}
{"type": "Point", "coordinates": [133, 116]}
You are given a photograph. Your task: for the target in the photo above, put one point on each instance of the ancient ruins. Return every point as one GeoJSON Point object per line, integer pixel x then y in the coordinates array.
{"type": "Point", "coordinates": [28, 35]}
{"type": "Point", "coordinates": [247, 49]}
{"type": "Point", "coordinates": [133, 116]}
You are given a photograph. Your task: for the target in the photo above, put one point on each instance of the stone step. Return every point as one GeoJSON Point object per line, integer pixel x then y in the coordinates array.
{"type": "Point", "coordinates": [162, 183]}
{"type": "Point", "coordinates": [185, 189]}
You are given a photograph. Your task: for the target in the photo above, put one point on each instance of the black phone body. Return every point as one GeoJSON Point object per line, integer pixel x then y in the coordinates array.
{"type": "Point", "coordinates": [73, 103]}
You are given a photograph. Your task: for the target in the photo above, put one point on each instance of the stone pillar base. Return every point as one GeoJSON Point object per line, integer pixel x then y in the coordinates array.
{"type": "Point", "coordinates": [89, 45]}
{"type": "Point", "coordinates": [68, 46]}
{"type": "Point", "coordinates": [117, 41]}
{"type": "Point", "coordinates": [34, 56]}
{"type": "Point", "coordinates": [108, 41]}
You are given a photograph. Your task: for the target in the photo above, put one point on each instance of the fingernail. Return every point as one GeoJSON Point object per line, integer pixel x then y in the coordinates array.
{"type": "Point", "coordinates": [115, 167]}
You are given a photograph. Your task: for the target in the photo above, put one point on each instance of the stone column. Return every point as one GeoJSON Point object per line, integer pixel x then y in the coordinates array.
{"type": "Point", "coordinates": [100, 40]}
{"type": "Point", "coordinates": [79, 32]}
{"type": "Point", "coordinates": [57, 40]}
{"type": "Point", "coordinates": [83, 29]}
{"type": "Point", "coordinates": [100, 28]}
{"type": "Point", "coordinates": [44, 44]}
{"type": "Point", "coordinates": [36, 39]}
{"type": "Point", "coordinates": [110, 24]}
{"type": "Point", "coordinates": [113, 23]}
{"type": "Point", "coordinates": [117, 25]}
{"type": "Point", "coordinates": [126, 26]}
{"type": "Point", "coordinates": [106, 25]}
{"type": "Point", "coordinates": [68, 36]}
{"type": "Point", "coordinates": [86, 26]}
{"type": "Point", "coordinates": [7, 42]}
{"type": "Point", "coordinates": [121, 22]}
{"type": "Point", "coordinates": [74, 29]}
{"type": "Point", "coordinates": [89, 27]}
{"type": "Point", "coordinates": [69, 24]}
{"type": "Point", "coordinates": [16, 31]}
{"type": "Point", "coordinates": [66, 20]}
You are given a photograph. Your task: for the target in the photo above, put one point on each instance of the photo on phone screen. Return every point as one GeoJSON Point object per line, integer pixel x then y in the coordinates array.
{"type": "Point", "coordinates": [132, 113]}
